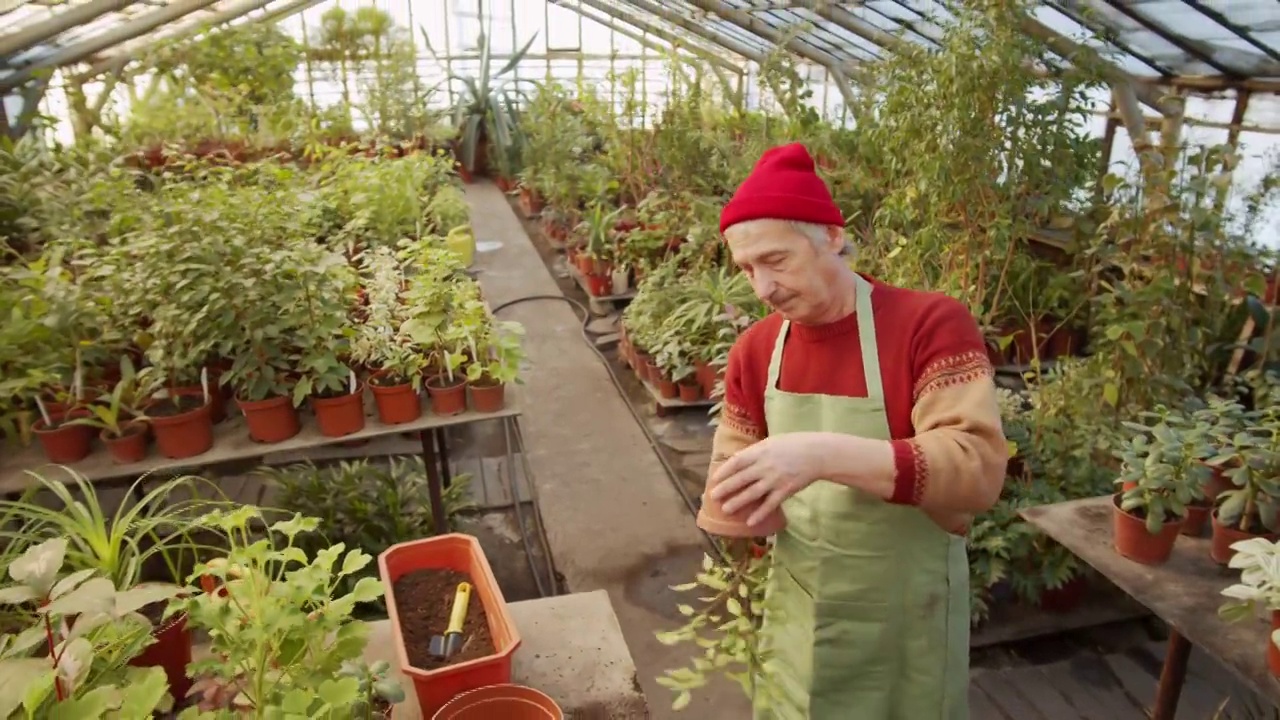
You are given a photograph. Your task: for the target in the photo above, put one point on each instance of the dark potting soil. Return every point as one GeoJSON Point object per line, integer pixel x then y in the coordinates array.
{"type": "Point", "coordinates": [424, 599]}
{"type": "Point", "coordinates": [176, 406]}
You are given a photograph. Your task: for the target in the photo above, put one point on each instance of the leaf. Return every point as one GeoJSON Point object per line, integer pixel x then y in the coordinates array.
{"type": "Point", "coordinates": [95, 596]}
{"type": "Point", "coordinates": [144, 595]}
{"type": "Point", "coordinates": [38, 567]}
{"type": "Point", "coordinates": [355, 561]}
{"type": "Point", "coordinates": [17, 595]}
{"type": "Point", "coordinates": [90, 706]}
{"type": "Point", "coordinates": [146, 692]}
{"type": "Point", "coordinates": [682, 700]}
{"type": "Point", "coordinates": [69, 582]}
{"type": "Point", "coordinates": [367, 589]}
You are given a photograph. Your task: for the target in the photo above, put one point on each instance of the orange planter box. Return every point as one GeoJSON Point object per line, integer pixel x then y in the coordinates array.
{"type": "Point", "coordinates": [461, 553]}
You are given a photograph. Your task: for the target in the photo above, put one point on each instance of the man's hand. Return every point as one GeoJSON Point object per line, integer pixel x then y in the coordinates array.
{"type": "Point", "coordinates": [768, 472]}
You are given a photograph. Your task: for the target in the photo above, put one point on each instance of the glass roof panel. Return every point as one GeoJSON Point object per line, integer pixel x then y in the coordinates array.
{"type": "Point", "coordinates": [1066, 24]}
{"type": "Point", "coordinates": [625, 14]}
{"type": "Point", "coordinates": [836, 40]}
{"type": "Point", "coordinates": [709, 21]}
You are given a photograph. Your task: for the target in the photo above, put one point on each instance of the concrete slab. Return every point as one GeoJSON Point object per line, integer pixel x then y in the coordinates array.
{"type": "Point", "coordinates": [614, 520]}
{"type": "Point", "coordinates": [571, 648]}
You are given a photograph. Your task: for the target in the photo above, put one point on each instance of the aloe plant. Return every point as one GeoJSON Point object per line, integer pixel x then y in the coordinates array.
{"type": "Point", "coordinates": [489, 106]}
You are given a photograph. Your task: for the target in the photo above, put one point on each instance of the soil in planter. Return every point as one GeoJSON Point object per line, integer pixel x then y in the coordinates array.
{"type": "Point", "coordinates": [176, 406]}
{"type": "Point", "coordinates": [424, 599]}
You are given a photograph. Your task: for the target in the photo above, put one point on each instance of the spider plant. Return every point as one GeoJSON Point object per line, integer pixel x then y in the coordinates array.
{"type": "Point", "coordinates": [148, 526]}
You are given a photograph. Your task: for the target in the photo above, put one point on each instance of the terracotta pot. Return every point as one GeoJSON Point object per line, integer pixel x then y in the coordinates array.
{"type": "Point", "coordinates": [1197, 518]}
{"type": "Point", "coordinates": [689, 391]}
{"type": "Point", "coordinates": [1066, 597]}
{"type": "Point", "coordinates": [1132, 540]}
{"type": "Point", "coordinates": [487, 397]}
{"type": "Point", "coordinates": [1273, 652]}
{"type": "Point", "coordinates": [171, 651]}
{"type": "Point", "coordinates": [651, 373]}
{"type": "Point", "coordinates": [187, 434]}
{"type": "Point", "coordinates": [446, 398]}
{"type": "Point", "coordinates": [217, 407]}
{"type": "Point", "coordinates": [397, 404]}
{"type": "Point", "coordinates": [1225, 536]}
{"type": "Point", "coordinates": [713, 518]}
{"type": "Point", "coordinates": [453, 551]}
{"type": "Point", "coordinates": [667, 388]}
{"type": "Point", "coordinates": [131, 447]}
{"type": "Point", "coordinates": [272, 420]}
{"type": "Point", "coordinates": [585, 263]}
{"type": "Point", "coordinates": [706, 375]}
{"type": "Point", "coordinates": [508, 702]}
{"type": "Point", "coordinates": [599, 285]}
{"type": "Point", "coordinates": [1217, 484]}
{"type": "Point", "coordinates": [340, 416]}
{"type": "Point", "coordinates": [65, 444]}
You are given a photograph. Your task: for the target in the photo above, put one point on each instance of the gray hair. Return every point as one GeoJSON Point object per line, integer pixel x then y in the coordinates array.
{"type": "Point", "coordinates": [816, 233]}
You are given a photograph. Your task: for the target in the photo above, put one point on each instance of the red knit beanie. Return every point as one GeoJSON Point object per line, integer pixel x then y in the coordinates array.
{"type": "Point", "coordinates": [783, 186]}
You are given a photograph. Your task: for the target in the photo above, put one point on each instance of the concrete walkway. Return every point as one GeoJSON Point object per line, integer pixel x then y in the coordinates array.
{"type": "Point", "coordinates": [614, 520]}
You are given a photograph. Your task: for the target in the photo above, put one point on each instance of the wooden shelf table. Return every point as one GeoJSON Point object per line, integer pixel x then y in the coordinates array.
{"type": "Point", "coordinates": [1185, 593]}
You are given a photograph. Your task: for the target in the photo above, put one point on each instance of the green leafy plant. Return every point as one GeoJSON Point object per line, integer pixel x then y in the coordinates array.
{"type": "Point", "coordinates": [1164, 461]}
{"type": "Point", "coordinates": [279, 634]}
{"type": "Point", "coordinates": [55, 669]}
{"type": "Point", "coordinates": [726, 628]}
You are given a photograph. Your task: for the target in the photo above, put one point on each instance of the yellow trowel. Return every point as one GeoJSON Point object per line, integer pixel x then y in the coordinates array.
{"type": "Point", "coordinates": [444, 646]}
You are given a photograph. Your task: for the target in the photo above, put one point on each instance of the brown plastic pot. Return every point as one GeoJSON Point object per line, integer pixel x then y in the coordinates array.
{"type": "Point", "coordinates": [1224, 536]}
{"type": "Point", "coordinates": [488, 397]}
{"type": "Point", "coordinates": [667, 388]}
{"type": "Point", "coordinates": [171, 652]}
{"type": "Point", "coordinates": [1197, 518]}
{"type": "Point", "coordinates": [397, 404]}
{"type": "Point", "coordinates": [689, 391]}
{"type": "Point", "coordinates": [1132, 540]}
{"type": "Point", "coordinates": [508, 702]}
{"type": "Point", "coordinates": [447, 398]}
{"type": "Point", "coordinates": [270, 421]}
{"type": "Point", "coordinates": [706, 375]}
{"type": "Point", "coordinates": [340, 416]}
{"type": "Point", "coordinates": [64, 444]}
{"type": "Point", "coordinates": [186, 434]}
{"type": "Point", "coordinates": [129, 448]}
{"type": "Point", "coordinates": [713, 518]}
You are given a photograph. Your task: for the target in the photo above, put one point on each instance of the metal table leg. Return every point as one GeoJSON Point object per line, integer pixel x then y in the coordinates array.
{"type": "Point", "coordinates": [442, 449]}
{"type": "Point", "coordinates": [1172, 676]}
{"type": "Point", "coordinates": [435, 490]}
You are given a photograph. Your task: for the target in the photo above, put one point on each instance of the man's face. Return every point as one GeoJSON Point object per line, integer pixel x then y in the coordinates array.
{"type": "Point", "coordinates": [786, 270]}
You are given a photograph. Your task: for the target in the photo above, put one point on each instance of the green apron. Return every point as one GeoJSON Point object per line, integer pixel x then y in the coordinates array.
{"type": "Point", "coordinates": [867, 608]}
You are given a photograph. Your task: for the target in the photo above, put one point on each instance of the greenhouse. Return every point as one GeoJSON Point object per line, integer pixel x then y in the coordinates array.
{"type": "Point", "coordinates": [425, 359]}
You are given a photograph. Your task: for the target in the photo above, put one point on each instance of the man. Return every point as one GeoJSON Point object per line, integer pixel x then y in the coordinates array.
{"type": "Point", "coordinates": [867, 414]}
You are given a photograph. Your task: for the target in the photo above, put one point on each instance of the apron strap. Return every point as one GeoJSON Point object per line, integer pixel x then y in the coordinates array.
{"type": "Point", "coordinates": [775, 361]}
{"type": "Point", "coordinates": [867, 338]}
{"type": "Point", "coordinates": [866, 341]}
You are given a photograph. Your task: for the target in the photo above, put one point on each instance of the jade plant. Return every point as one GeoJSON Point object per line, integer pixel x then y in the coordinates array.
{"type": "Point", "coordinates": [1162, 464]}
{"type": "Point", "coordinates": [726, 628]}
{"type": "Point", "coordinates": [279, 633]}
{"type": "Point", "coordinates": [53, 669]}
{"type": "Point", "coordinates": [1250, 459]}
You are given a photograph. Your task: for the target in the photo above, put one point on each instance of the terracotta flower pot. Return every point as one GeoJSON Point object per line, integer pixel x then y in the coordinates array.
{"type": "Point", "coordinates": [171, 652]}
{"type": "Point", "coordinates": [706, 375]}
{"type": "Point", "coordinates": [599, 285]}
{"type": "Point", "coordinates": [713, 518]}
{"type": "Point", "coordinates": [453, 551]}
{"type": "Point", "coordinates": [487, 397]}
{"type": "Point", "coordinates": [651, 373]}
{"type": "Point", "coordinates": [508, 702]}
{"type": "Point", "coordinates": [1197, 518]}
{"type": "Point", "coordinates": [1066, 597]}
{"type": "Point", "coordinates": [185, 434]}
{"type": "Point", "coordinates": [447, 398]}
{"type": "Point", "coordinates": [64, 444]}
{"type": "Point", "coordinates": [341, 415]}
{"type": "Point", "coordinates": [690, 391]}
{"type": "Point", "coordinates": [1224, 536]}
{"type": "Point", "coordinates": [585, 263]}
{"type": "Point", "coordinates": [272, 420]}
{"type": "Point", "coordinates": [131, 447]}
{"type": "Point", "coordinates": [397, 404]}
{"type": "Point", "coordinates": [667, 388]}
{"type": "Point", "coordinates": [1134, 542]}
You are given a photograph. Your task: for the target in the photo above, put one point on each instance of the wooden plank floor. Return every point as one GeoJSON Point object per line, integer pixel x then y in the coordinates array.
{"type": "Point", "coordinates": [1106, 673]}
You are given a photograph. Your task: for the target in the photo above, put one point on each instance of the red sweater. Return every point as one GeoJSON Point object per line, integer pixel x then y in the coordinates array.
{"type": "Point", "coordinates": [927, 341]}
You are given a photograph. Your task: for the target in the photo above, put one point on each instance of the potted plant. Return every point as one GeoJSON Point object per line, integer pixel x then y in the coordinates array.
{"type": "Point", "coordinates": [71, 660]}
{"type": "Point", "coordinates": [63, 440]}
{"type": "Point", "coordinates": [1161, 468]}
{"type": "Point", "coordinates": [264, 385]}
{"type": "Point", "coordinates": [380, 344]}
{"type": "Point", "coordinates": [1258, 561]}
{"type": "Point", "coordinates": [498, 366]}
{"type": "Point", "coordinates": [726, 627]}
{"type": "Point", "coordinates": [278, 639]}
{"type": "Point", "coordinates": [1249, 460]}
{"type": "Point", "coordinates": [144, 539]}
{"type": "Point", "coordinates": [119, 417]}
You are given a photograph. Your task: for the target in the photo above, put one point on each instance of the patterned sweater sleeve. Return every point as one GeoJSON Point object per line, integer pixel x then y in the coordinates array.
{"type": "Point", "coordinates": [954, 465]}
